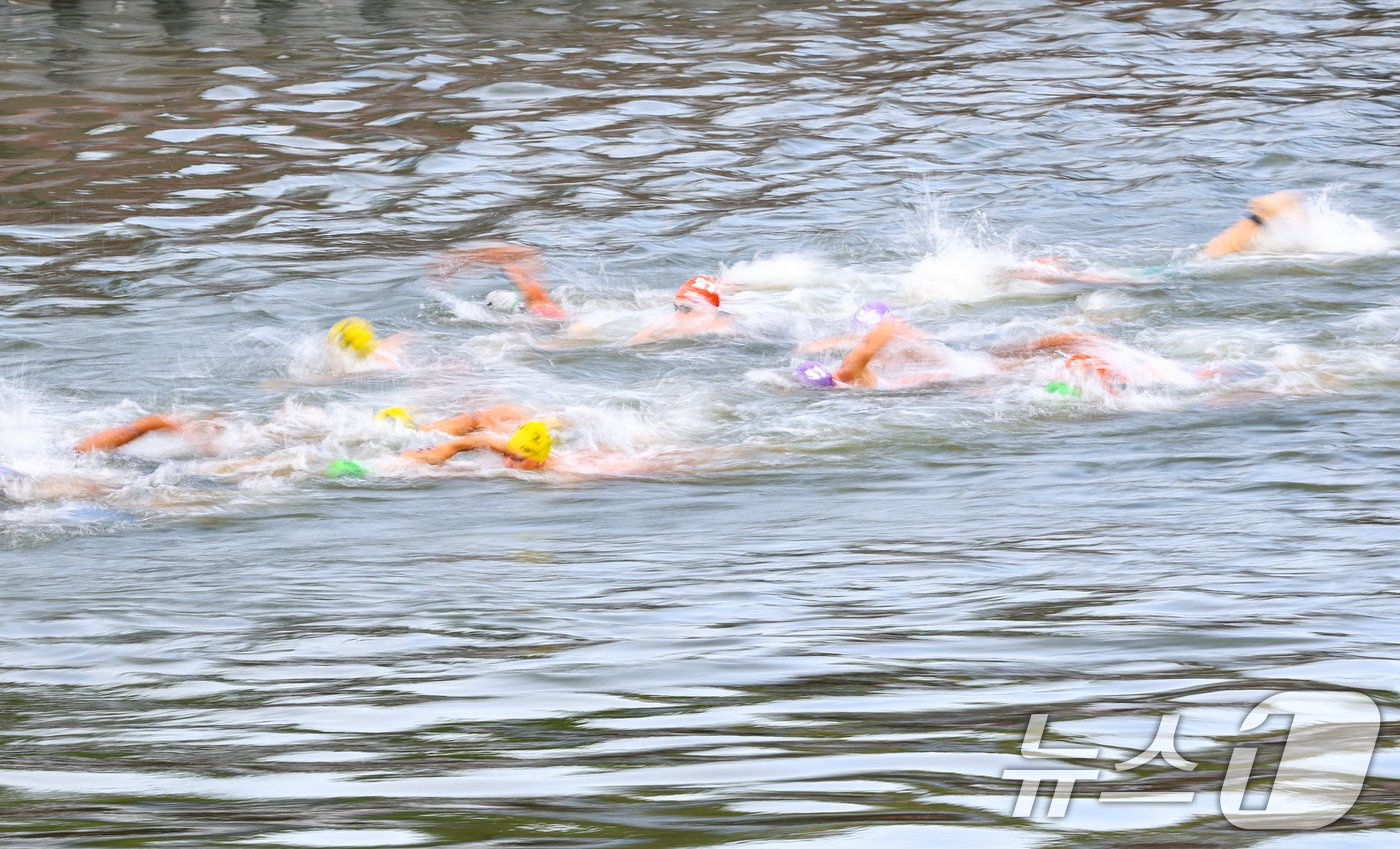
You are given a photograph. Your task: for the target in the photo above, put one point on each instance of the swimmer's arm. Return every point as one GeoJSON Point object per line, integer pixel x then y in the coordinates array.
{"type": "Point", "coordinates": [1239, 235]}
{"type": "Point", "coordinates": [855, 368]}
{"type": "Point", "coordinates": [661, 329]}
{"type": "Point", "coordinates": [492, 418]}
{"type": "Point", "coordinates": [522, 267]}
{"type": "Point", "coordinates": [1073, 277]}
{"type": "Point", "coordinates": [498, 255]}
{"type": "Point", "coordinates": [827, 343]}
{"type": "Point", "coordinates": [1232, 239]}
{"type": "Point", "coordinates": [442, 452]}
{"type": "Point", "coordinates": [525, 277]}
{"type": "Point", "coordinates": [1052, 342]}
{"type": "Point", "coordinates": [114, 438]}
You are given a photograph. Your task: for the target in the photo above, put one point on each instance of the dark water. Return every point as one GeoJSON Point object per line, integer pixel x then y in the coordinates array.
{"type": "Point", "coordinates": [831, 628]}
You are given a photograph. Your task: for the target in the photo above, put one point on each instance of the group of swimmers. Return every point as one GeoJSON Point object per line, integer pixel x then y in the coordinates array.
{"type": "Point", "coordinates": [882, 351]}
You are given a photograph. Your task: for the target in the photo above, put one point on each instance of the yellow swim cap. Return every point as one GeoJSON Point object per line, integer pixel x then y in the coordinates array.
{"type": "Point", "coordinates": [531, 441]}
{"type": "Point", "coordinates": [396, 414]}
{"type": "Point", "coordinates": [353, 335]}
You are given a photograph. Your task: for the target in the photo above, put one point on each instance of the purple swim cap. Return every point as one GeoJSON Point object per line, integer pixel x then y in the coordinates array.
{"type": "Point", "coordinates": [870, 314]}
{"type": "Point", "coordinates": [813, 373]}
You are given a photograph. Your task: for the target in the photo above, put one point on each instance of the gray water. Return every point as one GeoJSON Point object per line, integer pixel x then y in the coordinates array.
{"type": "Point", "coordinates": [829, 625]}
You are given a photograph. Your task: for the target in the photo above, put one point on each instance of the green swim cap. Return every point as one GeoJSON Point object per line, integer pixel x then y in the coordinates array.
{"type": "Point", "coordinates": [1059, 387]}
{"type": "Point", "coordinates": [345, 468]}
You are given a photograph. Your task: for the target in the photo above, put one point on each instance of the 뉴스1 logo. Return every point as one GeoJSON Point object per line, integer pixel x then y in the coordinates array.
{"type": "Point", "coordinates": [1324, 764]}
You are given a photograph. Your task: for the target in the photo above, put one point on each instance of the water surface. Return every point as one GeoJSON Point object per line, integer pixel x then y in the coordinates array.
{"type": "Point", "coordinates": [831, 628]}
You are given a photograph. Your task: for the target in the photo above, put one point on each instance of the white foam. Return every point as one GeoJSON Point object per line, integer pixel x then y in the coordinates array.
{"type": "Point", "coordinates": [964, 260]}
{"type": "Point", "coordinates": [1323, 228]}
{"type": "Point", "coordinates": [784, 271]}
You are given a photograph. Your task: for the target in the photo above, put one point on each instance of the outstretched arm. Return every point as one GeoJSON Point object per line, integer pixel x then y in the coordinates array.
{"type": "Point", "coordinates": [1232, 239]}
{"type": "Point", "coordinates": [855, 368]}
{"type": "Point", "coordinates": [520, 264]}
{"type": "Point", "coordinates": [114, 438]}
{"type": "Point", "coordinates": [1242, 233]}
{"type": "Point", "coordinates": [827, 343]}
{"type": "Point", "coordinates": [662, 328]}
{"type": "Point", "coordinates": [1074, 340]}
{"type": "Point", "coordinates": [444, 451]}
{"type": "Point", "coordinates": [491, 418]}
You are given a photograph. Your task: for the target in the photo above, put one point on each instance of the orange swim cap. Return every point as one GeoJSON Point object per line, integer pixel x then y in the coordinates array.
{"type": "Point", "coordinates": [704, 288]}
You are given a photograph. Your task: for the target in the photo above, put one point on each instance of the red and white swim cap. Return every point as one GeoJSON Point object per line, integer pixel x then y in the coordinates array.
{"type": "Point", "coordinates": [701, 287]}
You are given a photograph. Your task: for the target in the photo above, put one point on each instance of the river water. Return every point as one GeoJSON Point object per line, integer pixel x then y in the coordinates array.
{"type": "Point", "coordinates": [825, 619]}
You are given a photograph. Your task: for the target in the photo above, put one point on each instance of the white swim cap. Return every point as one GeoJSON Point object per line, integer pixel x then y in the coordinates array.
{"type": "Point", "coordinates": [504, 300]}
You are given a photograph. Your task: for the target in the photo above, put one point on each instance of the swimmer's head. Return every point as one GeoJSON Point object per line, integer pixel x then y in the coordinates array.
{"type": "Point", "coordinates": [506, 301]}
{"type": "Point", "coordinates": [530, 444]}
{"type": "Point", "coordinates": [354, 336]}
{"type": "Point", "coordinates": [1084, 365]}
{"type": "Point", "coordinates": [398, 415]}
{"type": "Point", "coordinates": [1059, 387]}
{"type": "Point", "coordinates": [814, 374]}
{"type": "Point", "coordinates": [699, 290]}
{"type": "Point", "coordinates": [870, 314]}
{"type": "Point", "coordinates": [345, 468]}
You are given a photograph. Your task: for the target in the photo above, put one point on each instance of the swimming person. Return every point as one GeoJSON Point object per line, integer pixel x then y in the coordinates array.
{"type": "Point", "coordinates": [21, 486]}
{"type": "Point", "coordinates": [855, 370]}
{"type": "Point", "coordinates": [528, 448]}
{"type": "Point", "coordinates": [521, 266]}
{"type": "Point", "coordinates": [531, 448]}
{"type": "Point", "coordinates": [1245, 233]}
{"type": "Point", "coordinates": [354, 338]}
{"type": "Point", "coordinates": [695, 311]}
{"type": "Point", "coordinates": [911, 345]}
{"type": "Point", "coordinates": [1103, 365]}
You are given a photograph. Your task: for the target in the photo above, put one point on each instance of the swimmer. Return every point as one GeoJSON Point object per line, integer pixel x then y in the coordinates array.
{"type": "Point", "coordinates": [531, 448]}
{"type": "Point", "coordinates": [855, 370]}
{"type": "Point", "coordinates": [497, 417]}
{"type": "Point", "coordinates": [528, 448]}
{"type": "Point", "coordinates": [1098, 362]}
{"type": "Point", "coordinates": [695, 311]}
{"type": "Point", "coordinates": [1244, 233]}
{"type": "Point", "coordinates": [1092, 361]}
{"type": "Point", "coordinates": [355, 338]}
{"type": "Point", "coordinates": [20, 486]}
{"type": "Point", "coordinates": [521, 265]}
{"type": "Point", "coordinates": [911, 346]}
